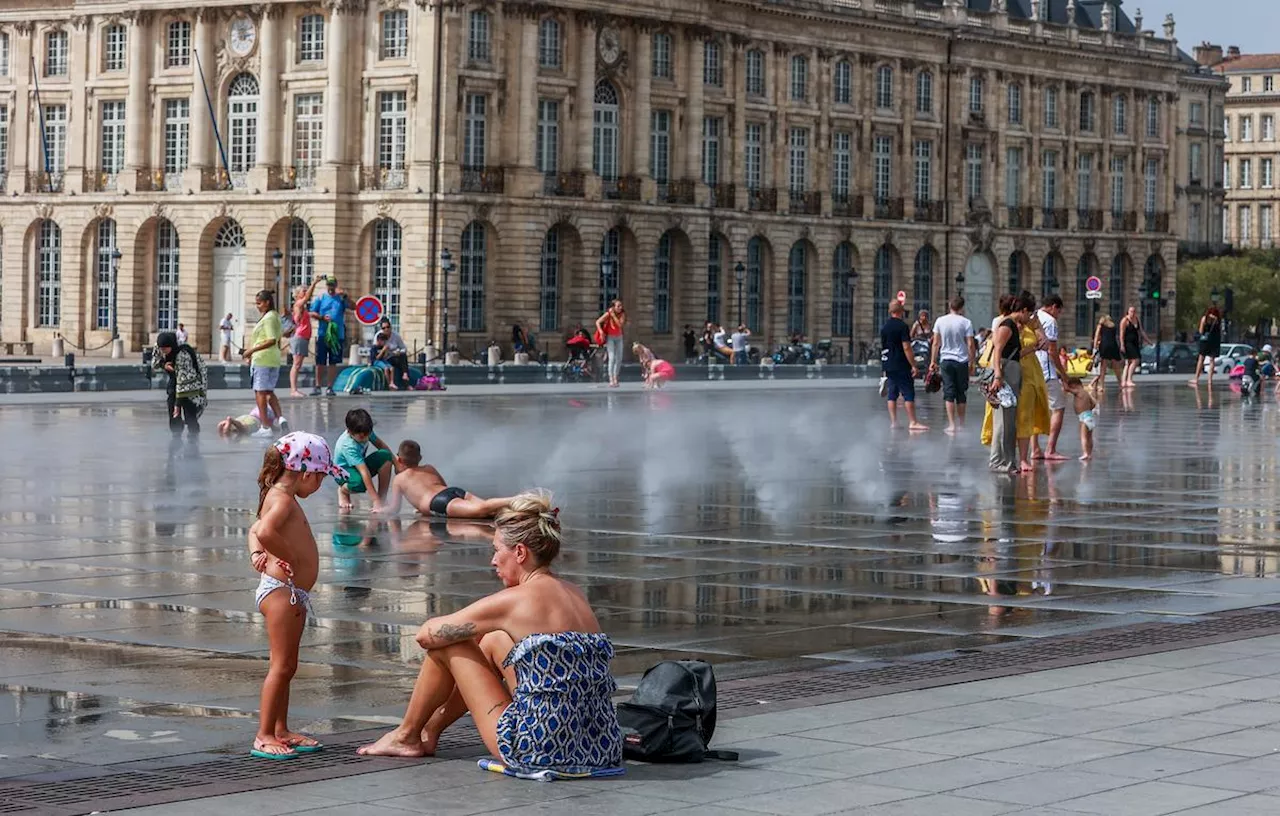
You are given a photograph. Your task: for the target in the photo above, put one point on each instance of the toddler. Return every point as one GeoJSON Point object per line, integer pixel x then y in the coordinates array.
{"type": "Point", "coordinates": [1085, 405]}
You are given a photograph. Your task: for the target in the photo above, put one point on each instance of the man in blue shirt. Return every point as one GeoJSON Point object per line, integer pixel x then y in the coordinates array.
{"type": "Point", "coordinates": [899, 365]}
{"type": "Point", "coordinates": [329, 313]}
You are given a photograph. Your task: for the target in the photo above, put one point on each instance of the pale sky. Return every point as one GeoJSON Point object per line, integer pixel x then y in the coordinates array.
{"type": "Point", "coordinates": [1250, 24]}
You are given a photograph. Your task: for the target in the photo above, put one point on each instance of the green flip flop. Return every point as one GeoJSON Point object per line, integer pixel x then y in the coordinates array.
{"type": "Point", "coordinates": [257, 754]}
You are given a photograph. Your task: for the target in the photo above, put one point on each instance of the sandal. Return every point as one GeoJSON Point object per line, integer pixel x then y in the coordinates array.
{"type": "Point", "coordinates": [260, 751]}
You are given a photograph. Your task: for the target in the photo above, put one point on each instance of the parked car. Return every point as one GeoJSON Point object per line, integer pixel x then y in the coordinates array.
{"type": "Point", "coordinates": [1175, 358]}
{"type": "Point", "coordinates": [1232, 354]}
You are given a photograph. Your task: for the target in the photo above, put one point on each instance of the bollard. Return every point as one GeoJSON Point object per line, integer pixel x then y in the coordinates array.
{"type": "Point", "coordinates": [453, 358]}
{"type": "Point", "coordinates": [59, 348]}
{"type": "Point", "coordinates": [117, 349]}
{"type": "Point", "coordinates": [354, 357]}
{"type": "Point", "coordinates": [495, 355]}
{"type": "Point", "coordinates": [430, 352]}
{"type": "Point", "coordinates": [522, 358]}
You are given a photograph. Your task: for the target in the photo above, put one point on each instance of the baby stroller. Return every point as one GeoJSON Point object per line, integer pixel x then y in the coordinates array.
{"type": "Point", "coordinates": [582, 365]}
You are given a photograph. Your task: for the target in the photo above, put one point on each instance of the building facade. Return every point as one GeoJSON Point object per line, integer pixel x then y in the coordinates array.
{"type": "Point", "coordinates": [1249, 120]}
{"type": "Point", "coordinates": [793, 165]}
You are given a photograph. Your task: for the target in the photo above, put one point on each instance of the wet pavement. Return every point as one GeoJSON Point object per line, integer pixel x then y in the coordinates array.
{"type": "Point", "coordinates": [759, 530]}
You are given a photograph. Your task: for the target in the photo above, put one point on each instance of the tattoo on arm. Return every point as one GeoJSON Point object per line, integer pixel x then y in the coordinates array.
{"type": "Point", "coordinates": [454, 632]}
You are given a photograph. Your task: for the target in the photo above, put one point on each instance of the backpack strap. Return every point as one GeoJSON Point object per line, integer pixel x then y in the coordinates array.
{"type": "Point", "coordinates": [723, 756]}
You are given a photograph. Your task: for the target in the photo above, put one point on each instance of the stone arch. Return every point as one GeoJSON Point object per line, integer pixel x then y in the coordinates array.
{"type": "Point", "coordinates": [561, 253]}
{"type": "Point", "coordinates": [1018, 275]}
{"type": "Point", "coordinates": [101, 269]}
{"type": "Point", "coordinates": [923, 278]}
{"type": "Point", "coordinates": [293, 238]}
{"type": "Point", "coordinates": [45, 267]}
{"type": "Point", "coordinates": [758, 270]}
{"type": "Point", "coordinates": [885, 271]}
{"type": "Point", "coordinates": [226, 280]}
{"type": "Point", "coordinates": [1116, 288]}
{"type": "Point", "coordinates": [722, 288]}
{"type": "Point", "coordinates": [802, 260]}
{"type": "Point", "coordinates": [981, 288]}
{"type": "Point", "coordinates": [671, 253]}
{"type": "Point", "coordinates": [1084, 308]}
{"type": "Point", "coordinates": [844, 263]}
{"type": "Point", "coordinates": [1053, 270]}
{"type": "Point", "coordinates": [612, 268]}
{"type": "Point", "coordinates": [383, 265]}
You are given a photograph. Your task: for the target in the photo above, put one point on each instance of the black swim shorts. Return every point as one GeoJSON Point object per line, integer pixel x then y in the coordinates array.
{"type": "Point", "coordinates": [440, 501]}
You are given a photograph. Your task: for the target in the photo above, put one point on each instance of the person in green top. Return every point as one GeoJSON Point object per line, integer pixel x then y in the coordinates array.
{"type": "Point", "coordinates": [263, 354]}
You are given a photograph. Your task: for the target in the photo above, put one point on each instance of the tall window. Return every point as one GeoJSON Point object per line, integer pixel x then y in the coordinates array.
{"type": "Point", "coordinates": [176, 136]}
{"type": "Point", "coordinates": [1051, 107]}
{"type": "Point", "coordinates": [798, 145]}
{"type": "Point", "coordinates": [882, 289]}
{"type": "Point", "coordinates": [308, 137]}
{"type": "Point", "coordinates": [1084, 181]}
{"type": "Point", "coordinates": [111, 143]}
{"type": "Point", "coordinates": [550, 51]}
{"type": "Point", "coordinates": [881, 166]}
{"type": "Point", "coordinates": [242, 127]}
{"type": "Point", "coordinates": [1265, 233]}
{"type": "Point", "coordinates": [1150, 184]}
{"type": "Point", "coordinates": [50, 274]}
{"type": "Point", "coordinates": [841, 292]}
{"type": "Point", "coordinates": [1268, 127]}
{"type": "Point", "coordinates": [715, 275]}
{"type": "Point", "coordinates": [166, 276]}
{"type": "Point", "coordinates": [604, 134]}
{"type": "Point", "coordinates": [387, 243]}
{"type": "Point", "coordinates": [610, 268]}
{"type": "Point", "coordinates": [1246, 174]}
{"type": "Point", "coordinates": [395, 34]}
{"type": "Point", "coordinates": [1195, 163]}
{"type": "Point", "coordinates": [1119, 265]}
{"type": "Point", "coordinates": [471, 281]}
{"type": "Point", "coordinates": [973, 186]}
{"type": "Point", "coordinates": [924, 93]}
{"type": "Point", "coordinates": [115, 40]}
{"type": "Point", "coordinates": [473, 132]}
{"type": "Point", "coordinates": [1245, 214]}
{"type": "Point", "coordinates": [1049, 179]}
{"type": "Point", "coordinates": [1120, 114]}
{"type": "Point", "coordinates": [549, 288]}
{"type": "Point", "coordinates": [1050, 280]}
{"type": "Point", "coordinates": [1196, 114]}
{"type": "Point", "coordinates": [1267, 173]}
{"type": "Point", "coordinates": [922, 282]}
{"type": "Point", "coordinates": [660, 145]}
{"type": "Point", "coordinates": [711, 127]}
{"type": "Point", "coordinates": [1013, 177]}
{"type": "Point", "coordinates": [755, 73]}
{"type": "Point", "coordinates": [105, 248]}
{"type": "Point", "coordinates": [842, 83]}
{"type": "Point", "coordinates": [547, 149]}
{"type": "Point", "coordinates": [1088, 115]}
{"type": "Point", "coordinates": [1246, 128]}
{"type": "Point", "coordinates": [302, 254]}
{"type": "Point", "coordinates": [1014, 101]}
{"type": "Point", "coordinates": [712, 64]}
{"type": "Point", "coordinates": [311, 38]}
{"type": "Point", "coordinates": [4, 54]}
{"type": "Point", "coordinates": [4, 140]}
{"type": "Point", "coordinates": [923, 155]}
{"type": "Point", "coordinates": [178, 47]}
{"type": "Point", "coordinates": [55, 128]}
{"type": "Point", "coordinates": [55, 53]}
{"type": "Point", "coordinates": [393, 133]}
{"type": "Point", "coordinates": [797, 262]}
{"type": "Point", "coordinates": [976, 95]}
{"type": "Point", "coordinates": [841, 165]}
{"type": "Point", "coordinates": [753, 156]}
{"type": "Point", "coordinates": [1153, 117]}
{"type": "Point", "coordinates": [884, 87]}
{"type": "Point", "coordinates": [1118, 184]}
{"type": "Point", "coordinates": [1017, 267]}
{"type": "Point", "coordinates": [755, 283]}
{"type": "Point", "coordinates": [799, 78]}
{"type": "Point", "coordinates": [478, 49]}
{"type": "Point", "coordinates": [662, 56]}
{"type": "Point", "coordinates": [662, 285]}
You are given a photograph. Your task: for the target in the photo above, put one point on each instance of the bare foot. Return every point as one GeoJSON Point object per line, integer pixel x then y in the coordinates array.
{"type": "Point", "coordinates": [1038, 455]}
{"type": "Point", "coordinates": [390, 745]}
{"type": "Point", "coordinates": [394, 387]}
{"type": "Point", "coordinates": [917, 426]}
{"type": "Point", "coordinates": [950, 430]}
{"type": "Point", "coordinates": [429, 741]}
{"type": "Point", "coordinates": [296, 394]}
{"type": "Point", "coordinates": [344, 506]}
{"type": "Point", "coordinates": [1193, 383]}
{"type": "Point", "coordinates": [1025, 466]}
{"type": "Point", "coordinates": [1086, 457]}
{"type": "Point", "coordinates": [1054, 456]}
{"type": "Point", "coordinates": [298, 741]}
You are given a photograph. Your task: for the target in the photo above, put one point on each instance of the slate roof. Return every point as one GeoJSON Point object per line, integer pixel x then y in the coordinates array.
{"type": "Point", "coordinates": [1088, 12]}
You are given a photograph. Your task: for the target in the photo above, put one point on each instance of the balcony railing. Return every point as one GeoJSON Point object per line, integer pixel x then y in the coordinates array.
{"type": "Point", "coordinates": [889, 209]}
{"type": "Point", "coordinates": [483, 180]}
{"type": "Point", "coordinates": [1124, 221]}
{"type": "Point", "coordinates": [382, 178]}
{"type": "Point", "coordinates": [1021, 217]}
{"type": "Point", "coordinates": [803, 203]}
{"type": "Point", "coordinates": [214, 178]}
{"type": "Point", "coordinates": [626, 188]}
{"type": "Point", "coordinates": [39, 181]}
{"type": "Point", "coordinates": [681, 192]}
{"type": "Point", "coordinates": [1157, 222]}
{"type": "Point", "coordinates": [100, 181]}
{"type": "Point", "coordinates": [1054, 218]}
{"type": "Point", "coordinates": [724, 196]}
{"type": "Point", "coordinates": [762, 199]}
{"type": "Point", "coordinates": [929, 212]}
{"type": "Point", "coordinates": [1090, 220]}
{"type": "Point", "coordinates": [281, 178]}
{"type": "Point", "coordinates": [572, 184]}
{"type": "Point", "coordinates": [846, 206]}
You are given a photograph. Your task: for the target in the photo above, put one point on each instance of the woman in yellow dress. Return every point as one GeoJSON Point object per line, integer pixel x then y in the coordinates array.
{"type": "Point", "coordinates": [1033, 397]}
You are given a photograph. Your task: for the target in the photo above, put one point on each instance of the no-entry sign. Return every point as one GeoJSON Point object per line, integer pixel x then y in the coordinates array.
{"type": "Point", "coordinates": [368, 310]}
{"type": "Point", "coordinates": [902, 296]}
{"type": "Point", "coordinates": [1093, 288]}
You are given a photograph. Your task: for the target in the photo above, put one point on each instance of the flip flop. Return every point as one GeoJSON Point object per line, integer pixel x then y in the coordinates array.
{"type": "Point", "coordinates": [259, 754]}
{"type": "Point", "coordinates": [307, 749]}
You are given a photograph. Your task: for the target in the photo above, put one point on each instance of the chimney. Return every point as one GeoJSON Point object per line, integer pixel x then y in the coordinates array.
{"type": "Point", "coordinates": [1233, 52]}
{"type": "Point", "coordinates": [1208, 54]}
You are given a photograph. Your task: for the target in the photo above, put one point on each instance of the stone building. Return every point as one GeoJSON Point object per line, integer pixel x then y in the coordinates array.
{"type": "Point", "coordinates": [1249, 120]}
{"type": "Point", "coordinates": [719, 159]}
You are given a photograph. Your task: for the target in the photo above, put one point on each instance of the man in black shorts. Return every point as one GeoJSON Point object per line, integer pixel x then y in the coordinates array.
{"type": "Point", "coordinates": [952, 355]}
{"type": "Point", "coordinates": [899, 366]}
{"type": "Point", "coordinates": [424, 488]}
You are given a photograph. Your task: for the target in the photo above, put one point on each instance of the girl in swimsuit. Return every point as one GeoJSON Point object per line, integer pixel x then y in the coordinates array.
{"type": "Point", "coordinates": [519, 659]}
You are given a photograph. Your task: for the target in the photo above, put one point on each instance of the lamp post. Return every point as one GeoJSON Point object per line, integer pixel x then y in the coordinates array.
{"type": "Point", "coordinates": [277, 260]}
{"type": "Point", "coordinates": [959, 284]}
{"type": "Point", "coordinates": [851, 281]}
{"type": "Point", "coordinates": [739, 275]}
{"type": "Point", "coordinates": [117, 347]}
{"type": "Point", "coordinates": [446, 267]}
{"type": "Point", "coordinates": [607, 266]}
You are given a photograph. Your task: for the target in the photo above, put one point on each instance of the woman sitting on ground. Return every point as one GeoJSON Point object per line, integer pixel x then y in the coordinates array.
{"type": "Point", "coordinates": [517, 660]}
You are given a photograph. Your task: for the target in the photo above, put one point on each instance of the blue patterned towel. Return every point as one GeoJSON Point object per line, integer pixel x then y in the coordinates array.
{"type": "Point", "coordinates": [548, 775]}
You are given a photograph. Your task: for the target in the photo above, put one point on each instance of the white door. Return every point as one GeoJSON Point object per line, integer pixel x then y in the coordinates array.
{"type": "Point", "coordinates": [230, 268]}
{"type": "Point", "coordinates": [979, 291]}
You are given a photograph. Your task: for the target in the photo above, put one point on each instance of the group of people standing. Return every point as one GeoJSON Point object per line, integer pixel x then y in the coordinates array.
{"type": "Point", "coordinates": [1119, 348]}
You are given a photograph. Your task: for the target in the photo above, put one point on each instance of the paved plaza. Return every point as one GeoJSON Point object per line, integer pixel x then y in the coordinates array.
{"type": "Point", "coordinates": [766, 530]}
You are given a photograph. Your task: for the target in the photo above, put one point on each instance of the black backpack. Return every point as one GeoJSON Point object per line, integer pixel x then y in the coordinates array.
{"type": "Point", "coordinates": [672, 714]}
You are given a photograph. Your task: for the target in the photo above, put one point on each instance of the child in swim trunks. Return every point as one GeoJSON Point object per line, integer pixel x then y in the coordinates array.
{"type": "Point", "coordinates": [1085, 405]}
{"type": "Point", "coordinates": [349, 453]}
{"type": "Point", "coordinates": [251, 424]}
{"type": "Point", "coordinates": [283, 549]}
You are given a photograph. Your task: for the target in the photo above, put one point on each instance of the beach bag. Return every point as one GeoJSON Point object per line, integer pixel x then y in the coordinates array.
{"type": "Point", "coordinates": [429, 382]}
{"type": "Point", "coordinates": [671, 717]}
{"type": "Point", "coordinates": [360, 380]}
{"type": "Point", "coordinates": [598, 338]}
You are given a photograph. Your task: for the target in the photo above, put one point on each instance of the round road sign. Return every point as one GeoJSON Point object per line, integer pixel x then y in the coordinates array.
{"type": "Point", "coordinates": [902, 296]}
{"type": "Point", "coordinates": [368, 310]}
{"type": "Point", "coordinates": [1093, 284]}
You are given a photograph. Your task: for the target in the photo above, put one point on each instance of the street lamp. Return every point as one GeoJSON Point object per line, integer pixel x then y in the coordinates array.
{"type": "Point", "coordinates": [607, 266]}
{"type": "Point", "coordinates": [446, 266]}
{"type": "Point", "coordinates": [851, 281]}
{"type": "Point", "coordinates": [739, 275]}
{"type": "Point", "coordinates": [960, 283]}
{"type": "Point", "coordinates": [115, 276]}
{"type": "Point", "coordinates": [277, 260]}
{"type": "Point", "coordinates": [1214, 295]}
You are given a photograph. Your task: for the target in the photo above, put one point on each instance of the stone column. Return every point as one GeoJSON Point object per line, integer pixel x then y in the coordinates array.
{"type": "Point", "coordinates": [905, 100]}
{"type": "Point", "coordinates": [585, 105]}
{"type": "Point", "coordinates": [138, 116]}
{"type": "Point", "coordinates": [21, 156]}
{"type": "Point", "coordinates": [202, 146]}
{"type": "Point", "coordinates": [739, 146]}
{"type": "Point", "coordinates": [526, 137]}
{"type": "Point", "coordinates": [335, 174]}
{"type": "Point", "coordinates": [79, 161]}
{"type": "Point", "coordinates": [271, 115]}
{"type": "Point", "coordinates": [821, 62]}
{"type": "Point", "coordinates": [640, 148]}
{"type": "Point", "coordinates": [693, 113]}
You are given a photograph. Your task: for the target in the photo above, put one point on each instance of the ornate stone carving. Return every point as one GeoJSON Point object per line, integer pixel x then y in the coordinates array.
{"type": "Point", "coordinates": [1055, 244]}
{"type": "Point", "coordinates": [345, 6]}
{"type": "Point", "coordinates": [159, 210]}
{"type": "Point", "coordinates": [103, 210]}
{"type": "Point", "coordinates": [1168, 26]}
{"type": "Point", "coordinates": [1090, 244]}
{"type": "Point", "coordinates": [1020, 243]}
{"type": "Point", "coordinates": [44, 211]}
{"type": "Point", "coordinates": [384, 208]}
{"type": "Point", "coordinates": [886, 237]}
{"type": "Point", "coordinates": [983, 234]}
{"type": "Point", "coordinates": [1000, 6]}
{"type": "Point", "coordinates": [1122, 246]}
{"type": "Point", "coordinates": [23, 27]}
{"type": "Point", "coordinates": [291, 209]}
{"type": "Point", "coordinates": [78, 21]}
{"type": "Point", "coordinates": [484, 212]}
{"type": "Point", "coordinates": [219, 211]}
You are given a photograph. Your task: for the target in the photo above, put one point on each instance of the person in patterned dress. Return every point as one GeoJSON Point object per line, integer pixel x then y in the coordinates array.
{"type": "Point", "coordinates": [529, 662]}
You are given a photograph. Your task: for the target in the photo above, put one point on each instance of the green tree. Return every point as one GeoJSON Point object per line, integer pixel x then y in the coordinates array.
{"type": "Point", "coordinates": [1254, 278]}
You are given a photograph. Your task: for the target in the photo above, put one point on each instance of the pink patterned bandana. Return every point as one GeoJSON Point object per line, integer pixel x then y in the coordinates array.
{"type": "Point", "coordinates": [307, 453]}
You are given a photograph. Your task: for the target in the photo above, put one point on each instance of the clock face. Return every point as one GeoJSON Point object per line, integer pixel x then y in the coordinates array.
{"type": "Point", "coordinates": [243, 35]}
{"type": "Point", "coordinates": [610, 45]}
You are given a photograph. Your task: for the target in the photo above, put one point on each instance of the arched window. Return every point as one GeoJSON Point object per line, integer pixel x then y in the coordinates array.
{"type": "Point", "coordinates": [49, 258]}
{"type": "Point", "coordinates": [302, 254]}
{"type": "Point", "coordinates": [387, 239]}
{"type": "Point", "coordinates": [924, 93]}
{"type": "Point", "coordinates": [1017, 272]}
{"type": "Point", "coordinates": [610, 268]}
{"type": "Point", "coordinates": [1052, 277]}
{"type": "Point", "coordinates": [230, 236]}
{"type": "Point", "coordinates": [1119, 270]}
{"type": "Point", "coordinates": [549, 50]}
{"type": "Point", "coordinates": [884, 87]}
{"type": "Point", "coordinates": [102, 262]}
{"type": "Point", "coordinates": [166, 276]}
{"type": "Point", "coordinates": [755, 284]}
{"type": "Point", "coordinates": [471, 279]}
{"type": "Point", "coordinates": [797, 262]}
{"type": "Point", "coordinates": [842, 83]}
{"type": "Point", "coordinates": [715, 277]}
{"type": "Point", "coordinates": [1153, 276]}
{"type": "Point", "coordinates": [841, 291]}
{"type": "Point", "coordinates": [922, 284]}
{"type": "Point", "coordinates": [604, 136]}
{"type": "Point", "coordinates": [1087, 267]}
{"type": "Point", "coordinates": [662, 285]}
{"type": "Point", "coordinates": [242, 127]}
{"type": "Point", "coordinates": [883, 289]}
{"type": "Point", "coordinates": [549, 282]}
